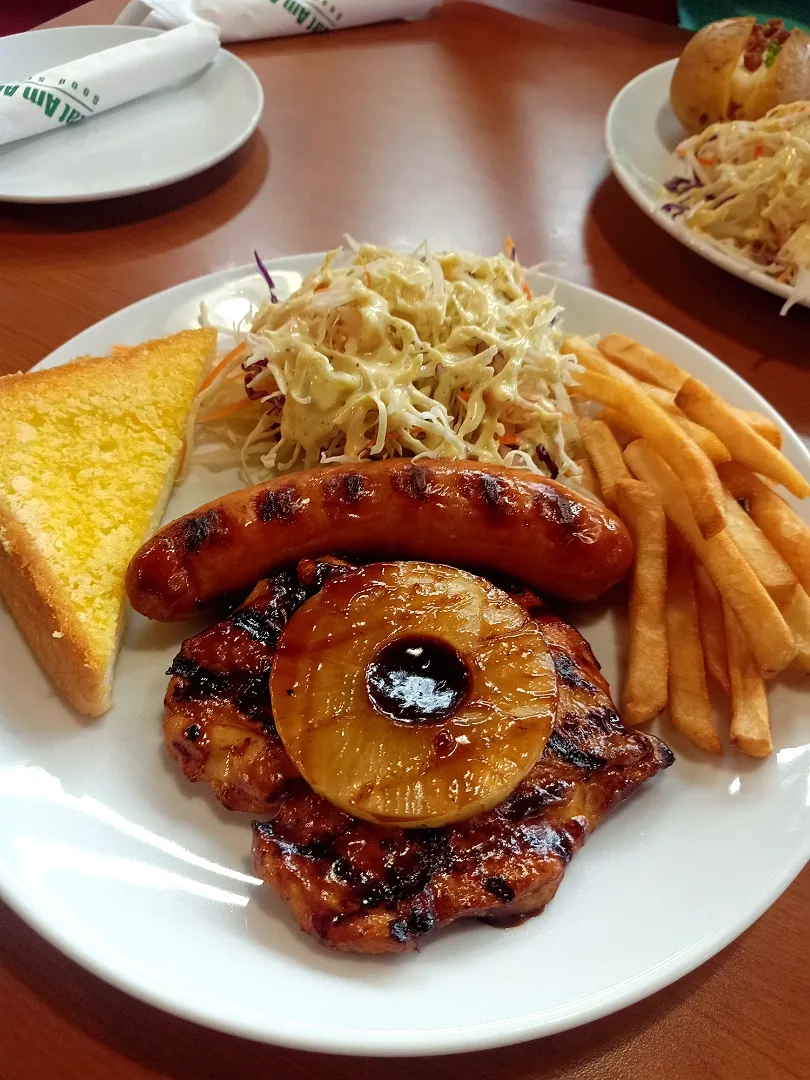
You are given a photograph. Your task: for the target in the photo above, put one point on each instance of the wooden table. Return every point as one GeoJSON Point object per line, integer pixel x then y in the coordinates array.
{"type": "Point", "coordinates": [468, 126]}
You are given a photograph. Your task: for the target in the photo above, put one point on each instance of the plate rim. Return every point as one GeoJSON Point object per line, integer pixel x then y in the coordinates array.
{"type": "Point", "coordinates": [735, 265]}
{"type": "Point", "coordinates": [395, 1042]}
{"type": "Point", "coordinates": [135, 32]}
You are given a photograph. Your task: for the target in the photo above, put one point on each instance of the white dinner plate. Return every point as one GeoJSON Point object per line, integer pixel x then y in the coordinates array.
{"type": "Point", "coordinates": [145, 879]}
{"type": "Point", "coordinates": [148, 143]}
{"type": "Point", "coordinates": [641, 133]}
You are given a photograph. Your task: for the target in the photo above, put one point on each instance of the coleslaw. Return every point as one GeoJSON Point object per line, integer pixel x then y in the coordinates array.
{"type": "Point", "coordinates": [748, 189]}
{"type": "Point", "coordinates": [382, 354]}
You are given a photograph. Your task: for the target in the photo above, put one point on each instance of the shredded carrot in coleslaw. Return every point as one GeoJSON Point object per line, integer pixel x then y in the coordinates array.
{"type": "Point", "coordinates": [228, 411]}
{"type": "Point", "coordinates": [226, 361]}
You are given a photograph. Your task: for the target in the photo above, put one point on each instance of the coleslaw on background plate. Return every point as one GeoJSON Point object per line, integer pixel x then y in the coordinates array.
{"type": "Point", "coordinates": [747, 189]}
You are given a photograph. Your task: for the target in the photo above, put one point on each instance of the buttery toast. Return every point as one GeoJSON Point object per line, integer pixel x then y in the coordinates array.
{"type": "Point", "coordinates": [90, 453]}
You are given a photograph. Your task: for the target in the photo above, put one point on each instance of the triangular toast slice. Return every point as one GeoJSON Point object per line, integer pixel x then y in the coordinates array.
{"type": "Point", "coordinates": [88, 455]}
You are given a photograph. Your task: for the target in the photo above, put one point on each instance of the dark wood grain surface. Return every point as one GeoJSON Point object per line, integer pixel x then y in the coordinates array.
{"type": "Point", "coordinates": [467, 126]}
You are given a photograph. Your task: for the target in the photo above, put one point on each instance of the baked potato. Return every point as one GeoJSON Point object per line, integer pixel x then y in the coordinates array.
{"type": "Point", "coordinates": [738, 69]}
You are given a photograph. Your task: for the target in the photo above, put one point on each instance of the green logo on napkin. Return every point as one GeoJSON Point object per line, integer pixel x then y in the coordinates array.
{"type": "Point", "coordinates": [49, 99]}
{"type": "Point", "coordinates": [322, 14]}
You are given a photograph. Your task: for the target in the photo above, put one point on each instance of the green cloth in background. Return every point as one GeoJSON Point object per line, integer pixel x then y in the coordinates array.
{"type": "Point", "coordinates": [697, 13]}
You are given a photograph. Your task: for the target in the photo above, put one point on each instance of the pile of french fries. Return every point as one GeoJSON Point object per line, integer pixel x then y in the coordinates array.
{"type": "Point", "coordinates": [721, 580]}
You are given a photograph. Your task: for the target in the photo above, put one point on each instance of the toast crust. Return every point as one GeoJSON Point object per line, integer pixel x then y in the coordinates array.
{"type": "Point", "coordinates": [46, 617]}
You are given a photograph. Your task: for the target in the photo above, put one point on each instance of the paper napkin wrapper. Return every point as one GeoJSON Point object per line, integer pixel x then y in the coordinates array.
{"type": "Point", "coordinates": [245, 20]}
{"type": "Point", "coordinates": [77, 91]}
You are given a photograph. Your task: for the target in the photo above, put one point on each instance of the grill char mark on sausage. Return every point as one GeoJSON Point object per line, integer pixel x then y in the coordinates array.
{"type": "Point", "coordinates": [343, 491]}
{"type": "Point", "coordinates": [416, 481]}
{"type": "Point", "coordinates": [196, 531]}
{"type": "Point", "coordinates": [279, 504]}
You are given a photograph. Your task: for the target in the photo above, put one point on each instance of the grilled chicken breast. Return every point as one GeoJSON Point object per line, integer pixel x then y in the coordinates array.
{"type": "Point", "coordinates": [365, 888]}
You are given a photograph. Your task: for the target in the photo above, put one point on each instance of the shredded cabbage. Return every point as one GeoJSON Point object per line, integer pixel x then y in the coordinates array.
{"type": "Point", "coordinates": [382, 354]}
{"type": "Point", "coordinates": [748, 189]}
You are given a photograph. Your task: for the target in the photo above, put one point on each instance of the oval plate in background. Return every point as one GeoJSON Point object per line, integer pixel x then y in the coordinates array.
{"type": "Point", "coordinates": [641, 133]}
{"type": "Point", "coordinates": [145, 879]}
{"type": "Point", "coordinates": [145, 144]}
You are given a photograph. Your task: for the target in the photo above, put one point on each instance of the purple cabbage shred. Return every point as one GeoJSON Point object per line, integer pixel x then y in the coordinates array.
{"type": "Point", "coordinates": [678, 185]}
{"type": "Point", "coordinates": [266, 275]}
{"type": "Point", "coordinates": [548, 461]}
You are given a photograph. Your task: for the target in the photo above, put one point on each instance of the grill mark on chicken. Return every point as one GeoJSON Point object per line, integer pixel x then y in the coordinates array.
{"type": "Point", "coordinates": [580, 759]}
{"type": "Point", "coordinates": [366, 888]}
{"type": "Point", "coordinates": [569, 673]}
{"type": "Point", "coordinates": [523, 804]}
{"type": "Point", "coordinates": [197, 681]}
{"type": "Point", "coordinates": [500, 888]}
{"type": "Point", "coordinates": [312, 573]}
{"type": "Point", "coordinates": [261, 625]}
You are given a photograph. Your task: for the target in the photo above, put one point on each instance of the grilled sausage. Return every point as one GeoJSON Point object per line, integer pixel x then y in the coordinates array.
{"type": "Point", "coordinates": [503, 520]}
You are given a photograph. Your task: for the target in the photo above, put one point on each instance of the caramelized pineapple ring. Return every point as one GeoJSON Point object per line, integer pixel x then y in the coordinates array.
{"type": "Point", "coordinates": [413, 694]}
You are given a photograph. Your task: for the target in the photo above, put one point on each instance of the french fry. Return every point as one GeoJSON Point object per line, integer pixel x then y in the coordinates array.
{"type": "Point", "coordinates": [761, 425]}
{"type": "Point", "coordinates": [750, 721]}
{"type": "Point", "coordinates": [589, 479]}
{"type": "Point", "coordinates": [777, 520]}
{"type": "Point", "coordinates": [796, 613]}
{"type": "Point", "coordinates": [644, 694]}
{"type": "Point", "coordinates": [590, 358]}
{"type": "Point", "coordinates": [707, 408]}
{"type": "Point", "coordinates": [767, 633]}
{"type": "Point", "coordinates": [759, 553]}
{"type": "Point", "coordinates": [605, 455]}
{"type": "Point", "coordinates": [689, 706]}
{"type": "Point", "coordinates": [623, 432]}
{"type": "Point", "coordinates": [665, 398]}
{"type": "Point", "coordinates": [642, 362]}
{"type": "Point", "coordinates": [712, 628]}
{"type": "Point", "coordinates": [694, 469]}
{"type": "Point", "coordinates": [706, 440]}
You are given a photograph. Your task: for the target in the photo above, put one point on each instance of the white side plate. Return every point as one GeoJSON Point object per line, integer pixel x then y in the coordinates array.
{"type": "Point", "coordinates": [111, 854]}
{"type": "Point", "coordinates": [146, 144]}
{"type": "Point", "coordinates": [641, 133]}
